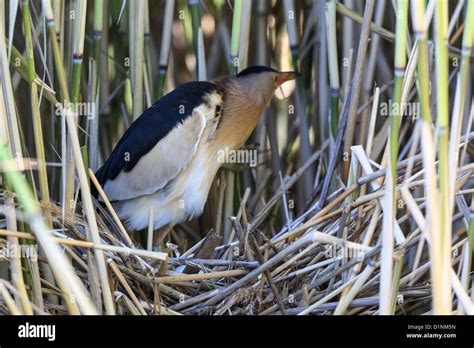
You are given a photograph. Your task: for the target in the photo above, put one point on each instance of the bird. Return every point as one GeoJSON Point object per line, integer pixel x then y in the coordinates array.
{"type": "Point", "coordinates": [167, 159]}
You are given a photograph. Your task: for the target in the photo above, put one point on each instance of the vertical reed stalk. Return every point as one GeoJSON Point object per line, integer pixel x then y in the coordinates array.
{"type": "Point", "coordinates": [137, 29]}
{"type": "Point", "coordinates": [304, 152]}
{"type": "Point", "coordinates": [89, 211]}
{"type": "Point", "coordinates": [68, 161]}
{"type": "Point", "coordinates": [395, 120]}
{"type": "Point", "coordinates": [147, 38]}
{"type": "Point", "coordinates": [79, 31]}
{"type": "Point", "coordinates": [165, 46]}
{"type": "Point", "coordinates": [37, 126]}
{"type": "Point", "coordinates": [245, 32]}
{"type": "Point", "coordinates": [38, 135]}
{"type": "Point", "coordinates": [198, 40]}
{"type": "Point", "coordinates": [94, 124]}
{"type": "Point", "coordinates": [442, 105]}
{"type": "Point", "coordinates": [458, 112]}
{"type": "Point", "coordinates": [11, 119]}
{"type": "Point", "coordinates": [333, 68]}
{"type": "Point", "coordinates": [320, 68]}
{"type": "Point", "coordinates": [356, 84]}
{"type": "Point", "coordinates": [460, 96]}
{"type": "Point", "coordinates": [234, 67]}
{"type": "Point", "coordinates": [369, 82]}
{"type": "Point", "coordinates": [441, 291]}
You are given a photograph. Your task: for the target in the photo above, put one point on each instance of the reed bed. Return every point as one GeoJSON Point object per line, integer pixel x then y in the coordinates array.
{"type": "Point", "coordinates": [361, 202]}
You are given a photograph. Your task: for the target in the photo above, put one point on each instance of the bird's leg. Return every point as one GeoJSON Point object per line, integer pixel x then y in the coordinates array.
{"type": "Point", "coordinates": [160, 233]}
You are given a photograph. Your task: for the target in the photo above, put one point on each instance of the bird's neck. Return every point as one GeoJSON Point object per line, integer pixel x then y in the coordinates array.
{"type": "Point", "coordinates": [241, 112]}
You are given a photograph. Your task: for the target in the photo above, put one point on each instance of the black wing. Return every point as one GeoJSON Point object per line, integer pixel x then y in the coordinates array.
{"type": "Point", "coordinates": [152, 126]}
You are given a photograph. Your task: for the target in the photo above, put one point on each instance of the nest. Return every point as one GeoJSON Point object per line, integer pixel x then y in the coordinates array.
{"type": "Point", "coordinates": [328, 261]}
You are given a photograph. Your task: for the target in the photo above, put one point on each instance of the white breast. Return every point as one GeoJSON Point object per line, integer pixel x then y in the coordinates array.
{"type": "Point", "coordinates": [184, 197]}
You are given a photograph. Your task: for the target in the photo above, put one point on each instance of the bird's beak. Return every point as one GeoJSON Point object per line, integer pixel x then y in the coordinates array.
{"type": "Point", "coordinates": [287, 76]}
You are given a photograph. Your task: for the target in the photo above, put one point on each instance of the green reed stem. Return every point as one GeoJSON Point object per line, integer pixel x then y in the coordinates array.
{"type": "Point", "coordinates": [96, 43]}
{"type": "Point", "coordinates": [396, 115]}
{"type": "Point", "coordinates": [37, 125]}
{"type": "Point", "coordinates": [79, 31]}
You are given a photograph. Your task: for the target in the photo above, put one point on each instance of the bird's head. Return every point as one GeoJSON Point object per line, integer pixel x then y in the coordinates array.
{"type": "Point", "coordinates": [260, 82]}
{"type": "Point", "coordinates": [247, 94]}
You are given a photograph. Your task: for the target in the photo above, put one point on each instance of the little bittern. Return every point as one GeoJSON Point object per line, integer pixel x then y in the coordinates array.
{"type": "Point", "coordinates": [167, 158]}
